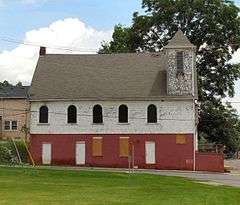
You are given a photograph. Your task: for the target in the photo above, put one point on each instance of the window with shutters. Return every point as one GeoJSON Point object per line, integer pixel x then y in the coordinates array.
{"type": "Point", "coordinates": [181, 139]}
{"type": "Point", "coordinates": [97, 114]}
{"type": "Point", "coordinates": [97, 147]}
{"type": "Point", "coordinates": [72, 114]}
{"type": "Point", "coordinates": [152, 114]}
{"type": "Point", "coordinates": [124, 147]}
{"type": "Point", "coordinates": [180, 61]}
{"type": "Point", "coordinates": [43, 114]}
{"type": "Point", "coordinates": [123, 114]}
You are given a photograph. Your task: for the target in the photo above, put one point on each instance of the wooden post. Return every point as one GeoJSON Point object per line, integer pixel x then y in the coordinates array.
{"type": "Point", "coordinates": [129, 163]}
{"type": "Point", "coordinates": [18, 155]}
{"type": "Point", "coordinates": [133, 157]}
{"type": "Point", "coordinates": [29, 153]}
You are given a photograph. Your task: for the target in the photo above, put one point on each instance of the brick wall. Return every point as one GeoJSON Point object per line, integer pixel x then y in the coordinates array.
{"type": "Point", "coordinates": [209, 162]}
{"type": "Point", "coordinates": [169, 155]}
{"type": "Point", "coordinates": [14, 110]}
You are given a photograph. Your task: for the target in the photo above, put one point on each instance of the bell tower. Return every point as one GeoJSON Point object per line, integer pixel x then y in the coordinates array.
{"type": "Point", "coordinates": [180, 66]}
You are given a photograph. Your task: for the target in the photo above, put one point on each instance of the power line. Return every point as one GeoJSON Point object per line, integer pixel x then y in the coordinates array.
{"type": "Point", "coordinates": [55, 47]}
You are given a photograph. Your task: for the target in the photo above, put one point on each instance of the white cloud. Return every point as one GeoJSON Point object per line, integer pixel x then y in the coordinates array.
{"type": "Point", "coordinates": [71, 33]}
{"type": "Point", "coordinates": [236, 57]}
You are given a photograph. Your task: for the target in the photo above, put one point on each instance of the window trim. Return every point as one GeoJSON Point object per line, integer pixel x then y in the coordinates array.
{"type": "Point", "coordinates": [47, 115]}
{"type": "Point", "coordinates": [156, 118]}
{"type": "Point", "coordinates": [95, 119]}
{"type": "Point", "coordinates": [14, 126]}
{"type": "Point", "coordinates": [76, 114]}
{"type": "Point", "coordinates": [10, 125]}
{"type": "Point", "coordinates": [119, 115]}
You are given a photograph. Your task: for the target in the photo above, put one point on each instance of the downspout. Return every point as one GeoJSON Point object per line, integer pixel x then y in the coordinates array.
{"type": "Point", "coordinates": [194, 138]}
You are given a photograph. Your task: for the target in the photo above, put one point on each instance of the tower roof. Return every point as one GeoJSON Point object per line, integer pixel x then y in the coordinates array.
{"type": "Point", "coordinates": [179, 40]}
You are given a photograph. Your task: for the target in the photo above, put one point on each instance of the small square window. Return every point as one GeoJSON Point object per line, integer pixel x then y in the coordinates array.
{"type": "Point", "coordinates": [7, 125]}
{"type": "Point", "coordinates": [181, 139]}
{"type": "Point", "coordinates": [14, 125]}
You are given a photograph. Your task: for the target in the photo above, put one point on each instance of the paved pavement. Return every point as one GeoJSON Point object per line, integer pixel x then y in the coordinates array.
{"type": "Point", "coordinates": [228, 179]}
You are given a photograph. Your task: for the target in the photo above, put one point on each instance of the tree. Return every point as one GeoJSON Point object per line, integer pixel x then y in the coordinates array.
{"type": "Point", "coordinates": [5, 83]}
{"type": "Point", "coordinates": [221, 125]}
{"type": "Point", "coordinates": [19, 84]}
{"type": "Point", "coordinates": [121, 41]}
{"type": "Point", "coordinates": [214, 28]}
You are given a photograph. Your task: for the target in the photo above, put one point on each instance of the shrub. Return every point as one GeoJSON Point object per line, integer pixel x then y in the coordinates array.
{"type": "Point", "coordinates": [8, 154]}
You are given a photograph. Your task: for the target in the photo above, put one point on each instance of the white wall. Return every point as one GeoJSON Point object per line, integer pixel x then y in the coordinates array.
{"type": "Point", "coordinates": [174, 117]}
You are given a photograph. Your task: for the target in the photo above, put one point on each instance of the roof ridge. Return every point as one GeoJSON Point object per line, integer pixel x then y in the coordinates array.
{"type": "Point", "coordinates": [105, 54]}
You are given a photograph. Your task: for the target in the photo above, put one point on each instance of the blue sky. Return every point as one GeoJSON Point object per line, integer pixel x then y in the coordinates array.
{"type": "Point", "coordinates": [20, 16]}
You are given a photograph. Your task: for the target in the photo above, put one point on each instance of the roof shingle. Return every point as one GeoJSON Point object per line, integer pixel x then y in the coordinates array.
{"type": "Point", "coordinates": [14, 92]}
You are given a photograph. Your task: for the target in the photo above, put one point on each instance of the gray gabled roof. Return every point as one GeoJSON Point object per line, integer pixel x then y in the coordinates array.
{"type": "Point", "coordinates": [179, 40]}
{"type": "Point", "coordinates": [105, 76]}
{"type": "Point", "coordinates": [14, 92]}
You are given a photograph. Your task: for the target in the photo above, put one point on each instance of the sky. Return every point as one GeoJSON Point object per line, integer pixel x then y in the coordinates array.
{"type": "Point", "coordinates": [65, 26]}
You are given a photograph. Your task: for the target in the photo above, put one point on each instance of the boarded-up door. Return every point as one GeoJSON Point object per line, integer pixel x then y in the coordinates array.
{"type": "Point", "coordinates": [46, 153]}
{"type": "Point", "coordinates": [80, 153]}
{"type": "Point", "coordinates": [150, 152]}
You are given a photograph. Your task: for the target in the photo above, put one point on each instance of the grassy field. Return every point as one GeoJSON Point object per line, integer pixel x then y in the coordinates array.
{"type": "Point", "coordinates": [19, 186]}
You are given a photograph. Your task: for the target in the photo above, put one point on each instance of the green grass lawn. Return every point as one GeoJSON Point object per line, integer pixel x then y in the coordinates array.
{"type": "Point", "coordinates": [23, 186]}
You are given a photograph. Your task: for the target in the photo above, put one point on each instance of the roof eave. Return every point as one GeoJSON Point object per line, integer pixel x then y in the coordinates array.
{"type": "Point", "coordinates": [163, 98]}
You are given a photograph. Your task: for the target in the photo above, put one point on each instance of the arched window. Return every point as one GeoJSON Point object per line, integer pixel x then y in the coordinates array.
{"type": "Point", "coordinates": [43, 114]}
{"type": "Point", "coordinates": [152, 114]}
{"type": "Point", "coordinates": [97, 114]}
{"type": "Point", "coordinates": [72, 114]}
{"type": "Point", "coordinates": [123, 114]}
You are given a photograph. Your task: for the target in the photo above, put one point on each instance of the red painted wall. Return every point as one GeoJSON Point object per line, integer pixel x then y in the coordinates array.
{"type": "Point", "coordinates": [169, 155]}
{"type": "Point", "coordinates": [209, 162]}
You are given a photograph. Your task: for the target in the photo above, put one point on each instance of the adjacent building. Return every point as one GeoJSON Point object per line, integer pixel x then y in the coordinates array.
{"type": "Point", "coordinates": [14, 111]}
{"type": "Point", "coordinates": [116, 109]}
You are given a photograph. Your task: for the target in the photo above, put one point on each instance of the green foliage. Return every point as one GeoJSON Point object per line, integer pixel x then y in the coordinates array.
{"type": "Point", "coordinates": [8, 154]}
{"type": "Point", "coordinates": [214, 28]}
{"type": "Point", "coordinates": [5, 83]}
{"type": "Point", "coordinates": [220, 124]}
{"type": "Point", "coordinates": [121, 41]}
